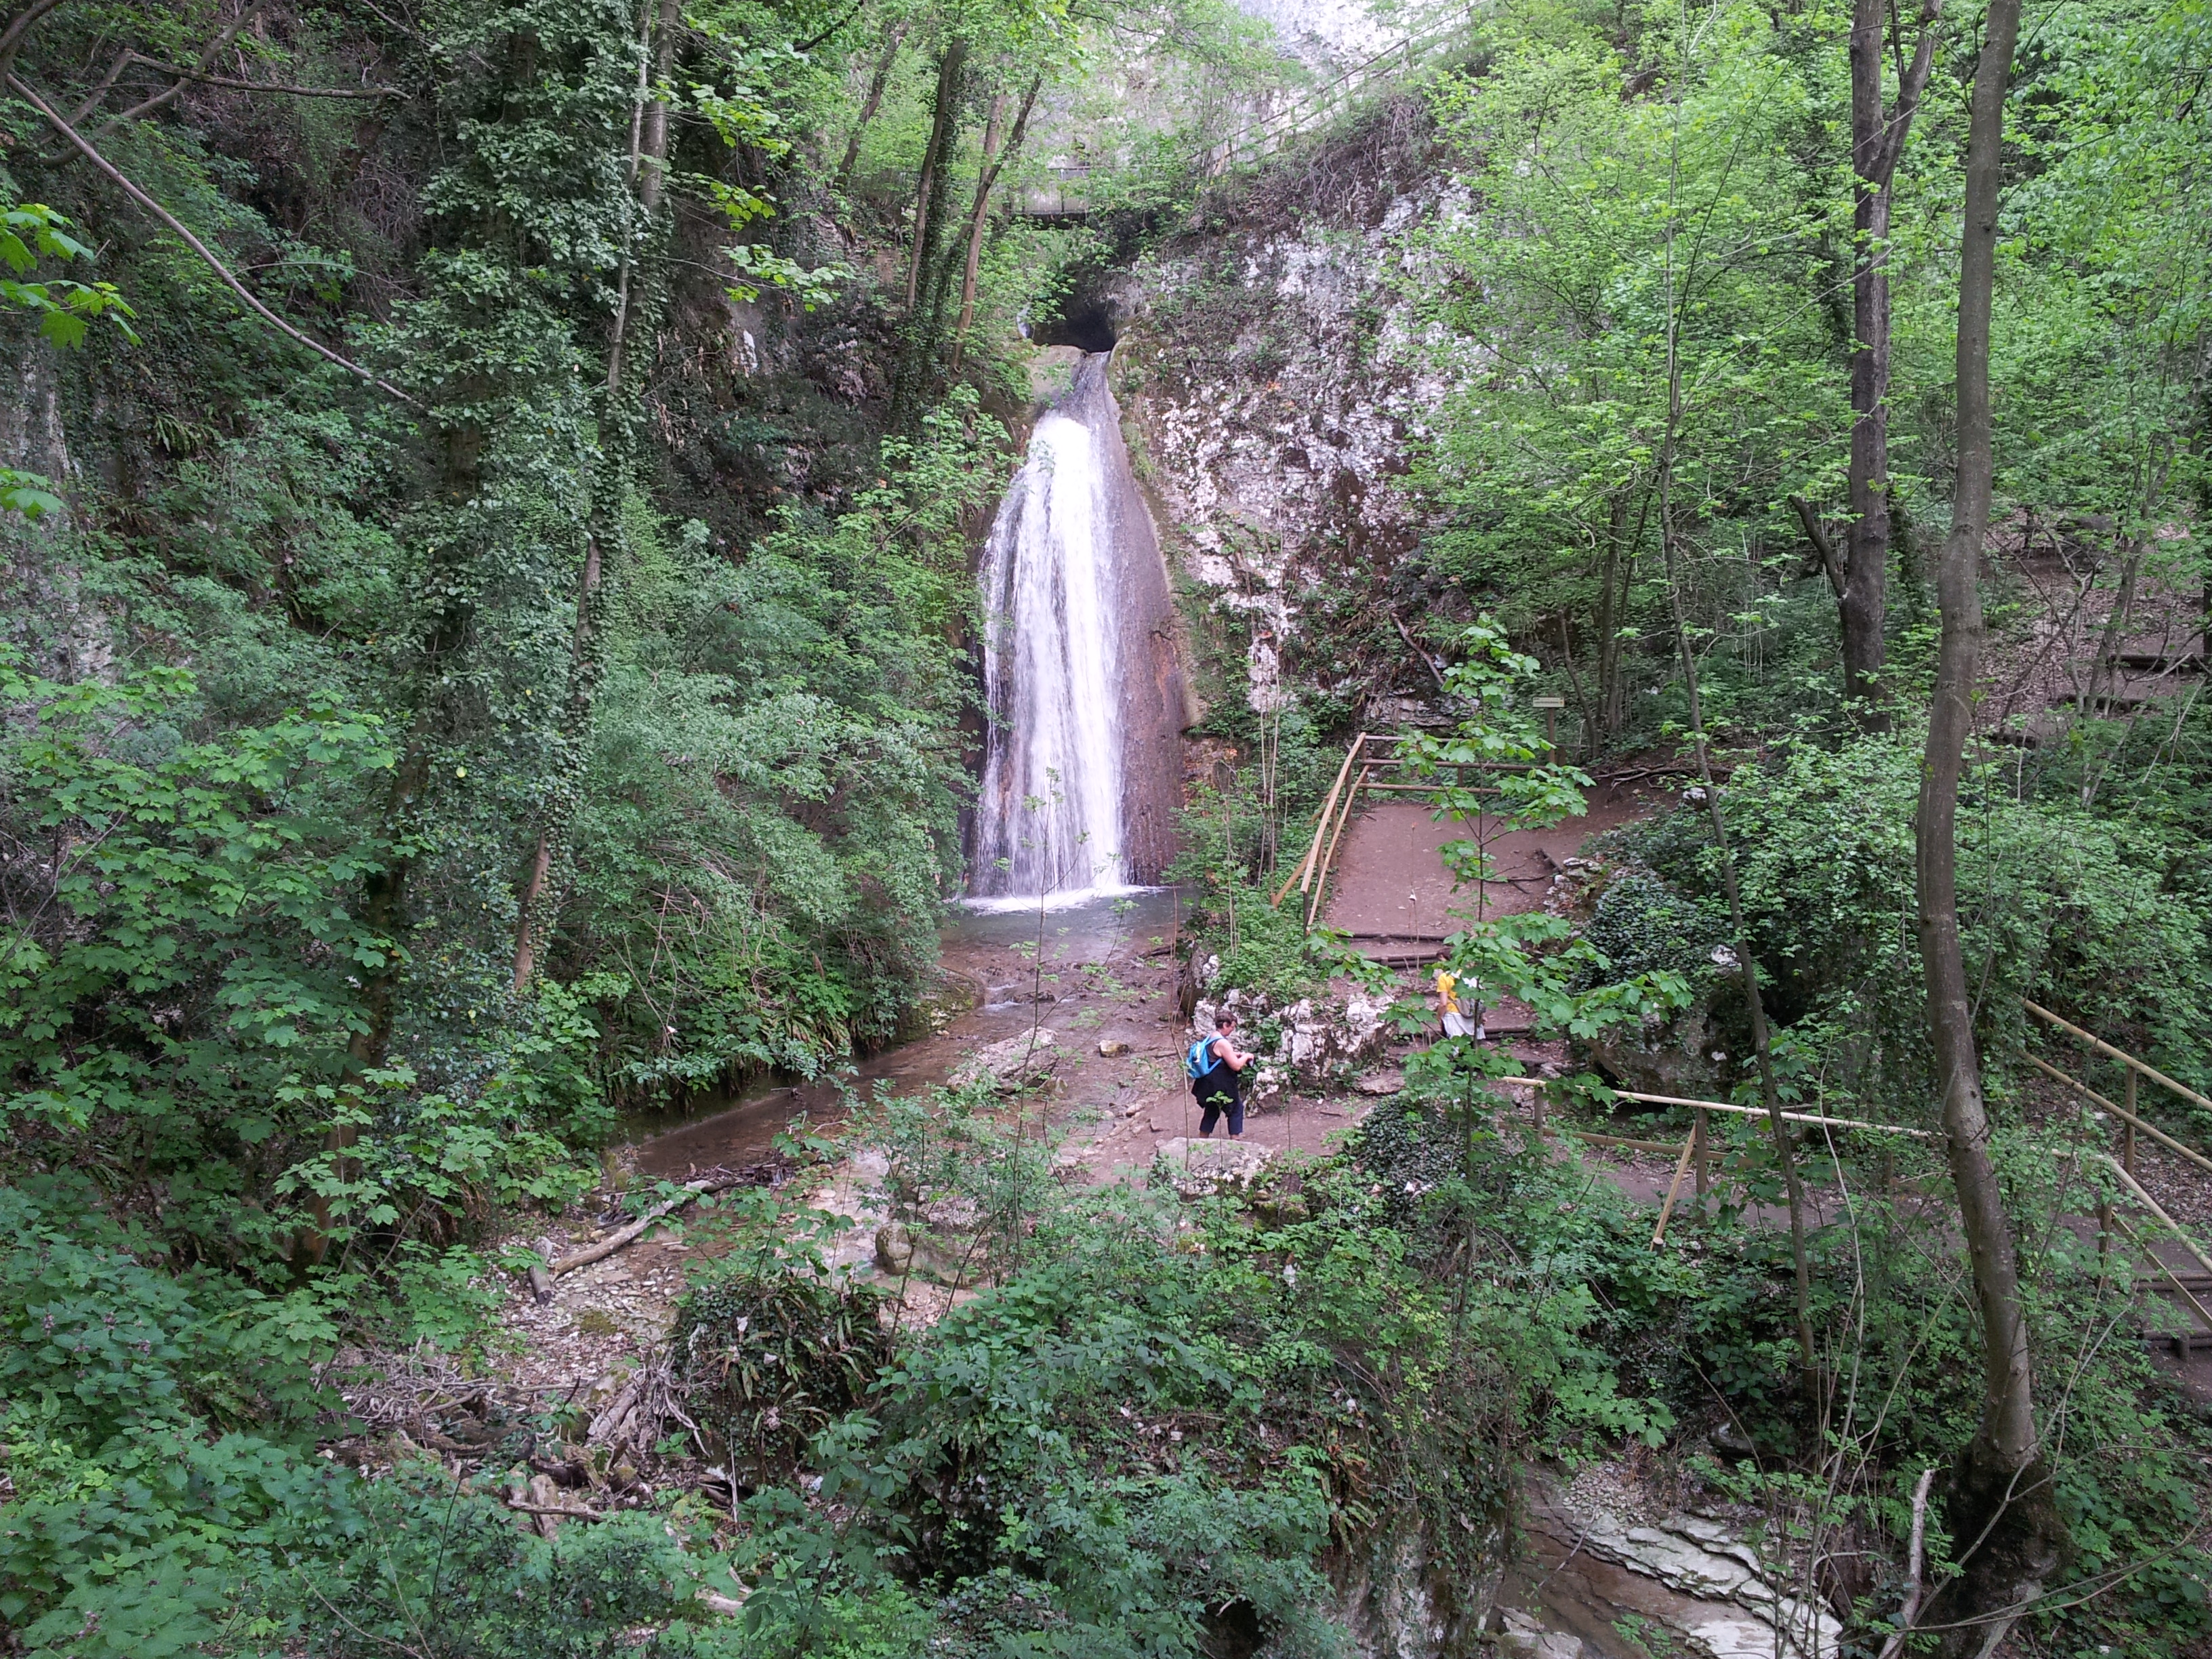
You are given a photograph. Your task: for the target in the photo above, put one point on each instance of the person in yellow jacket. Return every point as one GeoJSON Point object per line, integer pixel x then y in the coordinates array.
{"type": "Point", "coordinates": [1457, 1023]}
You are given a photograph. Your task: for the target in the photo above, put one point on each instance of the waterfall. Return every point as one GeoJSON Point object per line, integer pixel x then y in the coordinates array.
{"type": "Point", "coordinates": [1080, 770]}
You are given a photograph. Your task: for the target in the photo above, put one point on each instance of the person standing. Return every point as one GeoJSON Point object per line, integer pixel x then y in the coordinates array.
{"type": "Point", "coordinates": [1214, 1064]}
{"type": "Point", "coordinates": [1456, 1023]}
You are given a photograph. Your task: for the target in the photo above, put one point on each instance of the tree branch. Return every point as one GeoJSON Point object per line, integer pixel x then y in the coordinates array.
{"type": "Point", "coordinates": [1915, 1562]}
{"type": "Point", "coordinates": [286, 88]}
{"type": "Point", "coordinates": [1911, 84]}
{"type": "Point", "coordinates": [97, 95]}
{"type": "Point", "coordinates": [213, 49]}
{"type": "Point", "coordinates": [11, 39]}
{"type": "Point", "coordinates": [809, 45]}
{"type": "Point", "coordinates": [1821, 545]}
{"type": "Point", "coordinates": [222, 270]}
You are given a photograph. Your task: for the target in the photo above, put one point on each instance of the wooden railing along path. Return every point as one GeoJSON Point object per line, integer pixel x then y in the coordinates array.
{"type": "Point", "coordinates": [1380, 769]}
{"type": "Point", "coordinates": [2189, 1288]}
{"type": "Point", "coordinates": [2183, 1286]}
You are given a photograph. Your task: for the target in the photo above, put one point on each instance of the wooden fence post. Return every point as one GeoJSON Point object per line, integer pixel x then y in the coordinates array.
{"type": "Point", "coordinates": [2128, 1129]}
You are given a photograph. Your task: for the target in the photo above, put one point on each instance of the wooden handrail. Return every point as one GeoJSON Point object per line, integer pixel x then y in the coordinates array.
{"type": "Point", "coordinates": [1321, 879]}
{"type": "Point", "coordinates": [2159, 1262]}
{"type": "Point", "coordinates": [2152, 1205]}
{"type": "Point", "coordinates": [1310, 878]}
{"type": "Point", "coordinates": [1742, 1111]}
{"type": "Point", "coordinates": [1299, 876]}
{"type": "Point", "coordinates": [2122, 1112]}
{"type": "Point", "coordinates": [2120, 1055]}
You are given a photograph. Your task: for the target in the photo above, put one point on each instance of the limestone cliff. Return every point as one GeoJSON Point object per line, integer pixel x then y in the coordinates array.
{"type": "Point", "coordinates": [1276, 380]}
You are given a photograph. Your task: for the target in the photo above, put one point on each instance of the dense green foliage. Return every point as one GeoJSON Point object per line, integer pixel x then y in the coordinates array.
{"type": "Point", "coordinates": [515, 667]}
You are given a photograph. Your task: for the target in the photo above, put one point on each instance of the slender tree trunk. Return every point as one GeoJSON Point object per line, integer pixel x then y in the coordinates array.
{"type": "Point", "coordinates": [2103, 663]}
{"type": "Point", "coordinates": [648, 163]}
{"type": "Point", "coordinates": [1785, 1153]}
{"type": "Point", "coordinates": [649, 138]}
{"type": "Point", "coordinates": [2006, 1528]}
{"type": "Point", "coordinates": [1747, 963]}
{"type": "Point", "coordinates": [1877, 140]}
{"type": "Point", "coordinates": [1863, 603]}
{"type": "Point", "coordinates": [933, 160]}
{"type": "Point", "coordinates": [383, 909]}
{"type": "Point", "coordinates": [1620, 571]}
{"type": "Point", "coordinates": [873, 102]}
{"type": "Point", "coordinates": [1607, 649]}
{"type": "Point", "coordinates": [651, 151]}
{"type": "Point", "coordinates": [993, 164]}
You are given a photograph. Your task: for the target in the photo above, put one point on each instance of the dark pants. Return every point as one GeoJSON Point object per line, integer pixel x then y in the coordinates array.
{"type": "Point", "coordinates": [1217, 1093]}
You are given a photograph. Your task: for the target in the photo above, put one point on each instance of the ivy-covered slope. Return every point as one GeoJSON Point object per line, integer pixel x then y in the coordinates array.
{"type": "Point", "coordinates": [545, 693]}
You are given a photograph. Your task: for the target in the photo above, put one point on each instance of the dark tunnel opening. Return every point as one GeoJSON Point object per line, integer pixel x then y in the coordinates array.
{"type": "Point", "coordinates": [1088, 329]}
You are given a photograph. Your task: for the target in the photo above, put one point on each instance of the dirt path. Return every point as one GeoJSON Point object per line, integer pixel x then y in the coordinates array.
{"type": "Point", "coordinates": [1389, 882]}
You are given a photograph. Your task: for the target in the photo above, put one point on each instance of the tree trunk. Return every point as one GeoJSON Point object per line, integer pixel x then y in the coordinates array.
{"type": "Point", "coordinates": [993, 164]}
{"type": "Point", "coordinates": [647, 165]}
{"type": "Point", "coordinates": [873, 102]}
{"type": "Point", "coordinates": [2105, 661]}
{"type": "Point", "coordinates": [653, 149]}
{"type": "Point", "coordinates": [383, 908]}
{"type": "Point", "coordinates": [532, 919]}
{"type": "Point", "coordinates": [1762, 1045]}
{"type": "Point", "coordinates": [934, 160]}
{"type": "Point", "coordinates": [1612, 609]}
{"type": "Point", "coordinates": [1617, 522]}
{"type": "Point", "coordinates": [1877, 141]}
{"type": "Point", "coordinates": [1747, 963]}
{"type": "Point", "coordinates": [2006, 1525]}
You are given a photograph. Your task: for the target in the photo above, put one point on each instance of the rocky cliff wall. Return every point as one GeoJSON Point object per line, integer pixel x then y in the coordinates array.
{"type": "Point", "coordinates": [1276, 380]}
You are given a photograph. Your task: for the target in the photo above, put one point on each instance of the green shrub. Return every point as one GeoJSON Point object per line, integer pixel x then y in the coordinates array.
{"type": "Point", "coordinates": [1641, 926]}
{"type": "Point", "coordinates": [772, 1353]}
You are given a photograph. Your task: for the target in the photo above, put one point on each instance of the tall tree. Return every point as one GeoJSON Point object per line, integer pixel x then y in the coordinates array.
{"type": "Point", "coordinates": [936, 161]}
{"type": "Point", "coordinates": [994, 163]}
{"type": "Point", "coordinates": [1878, 135]}
{"type": "Point", "coordinates": [869, 106]}
{"type": "Point", "coordinates": [644, 174]}
{"type": "Point", "coordinates": [2005, 1522]}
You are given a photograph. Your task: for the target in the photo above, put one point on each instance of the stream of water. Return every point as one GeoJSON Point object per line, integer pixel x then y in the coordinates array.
{"type": "Point", "coordinates": [1000, 965]}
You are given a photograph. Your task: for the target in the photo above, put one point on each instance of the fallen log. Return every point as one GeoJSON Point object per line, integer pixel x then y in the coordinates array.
{"type": "Point", "coordinates": [555, 1510]}
{"type": "Point", "coordinates": [614, 1241]}
{"type": "Point", "coordinates": [617, 1412]}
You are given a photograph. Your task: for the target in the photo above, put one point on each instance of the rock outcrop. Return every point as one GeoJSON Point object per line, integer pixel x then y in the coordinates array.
{"type": "Point", "coordinates": [1275, 377]}
{"type": "Point", "coordinates": [1319, 1041]}
{"type": "Point", "coordinates": [1015, 1063]}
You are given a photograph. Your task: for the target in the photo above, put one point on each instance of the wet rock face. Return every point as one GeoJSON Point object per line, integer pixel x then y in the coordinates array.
{"type": "Point", "coordinates": [1702, 1558]}
{"type": "Point", "coordinates": [1274, 383]}
{"type": "Point", "coordinates": [1400, 1601]}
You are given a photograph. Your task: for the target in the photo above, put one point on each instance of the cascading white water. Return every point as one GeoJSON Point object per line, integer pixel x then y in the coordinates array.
{"type": "Point", "coordinates": [1049, 817]}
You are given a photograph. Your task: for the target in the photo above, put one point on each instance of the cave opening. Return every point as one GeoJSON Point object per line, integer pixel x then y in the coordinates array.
{"type": "Point", "coordinates": [1087, 328]}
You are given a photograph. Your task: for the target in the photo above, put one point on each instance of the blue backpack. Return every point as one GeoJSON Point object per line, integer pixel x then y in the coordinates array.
{"type": "Point", "coordinates": [1199, 1059]}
